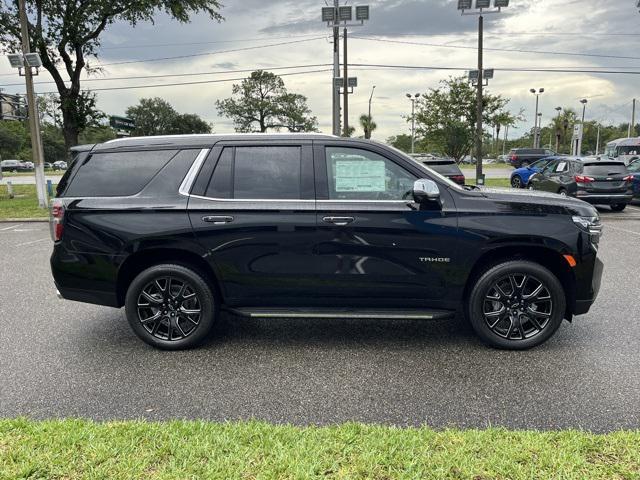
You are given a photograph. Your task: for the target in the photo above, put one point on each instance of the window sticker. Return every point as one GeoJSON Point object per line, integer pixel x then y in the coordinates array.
{"type": "Point", "coordinates": [360, 176]}
{"type": "Point", "coordinates": [562, 166]}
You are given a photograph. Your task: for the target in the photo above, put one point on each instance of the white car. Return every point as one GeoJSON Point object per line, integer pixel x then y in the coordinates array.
{"type": "Point", "coordinates": [60, 165]}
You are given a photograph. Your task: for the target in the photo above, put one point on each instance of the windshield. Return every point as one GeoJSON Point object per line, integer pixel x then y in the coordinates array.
{"type": "Point", "coordinates": [540, 163]}
{"type": "Point", "coordinates": [634, 166]}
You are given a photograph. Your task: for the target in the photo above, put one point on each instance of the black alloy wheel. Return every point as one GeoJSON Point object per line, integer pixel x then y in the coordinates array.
{"type": "Point", "coordinates": [516, 182]}
{"type": "Point", "coordinates": [516, 305]}
{"type": "Point", "coordinates": [170, 307]}
{"type": "Point", "coordinates": [618, 207]}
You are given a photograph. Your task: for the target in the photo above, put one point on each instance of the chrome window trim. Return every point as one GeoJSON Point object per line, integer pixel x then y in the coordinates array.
{"type": "Point", "coordinates": [187, 183]}
{"type": "Point", "coordinates": [253, 200]}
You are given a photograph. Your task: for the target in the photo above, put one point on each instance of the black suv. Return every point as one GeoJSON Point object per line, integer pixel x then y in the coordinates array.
{"type": "Point", "coordinates": [177, 228]}
{"type": "Point", "coordinates": [523, 157]}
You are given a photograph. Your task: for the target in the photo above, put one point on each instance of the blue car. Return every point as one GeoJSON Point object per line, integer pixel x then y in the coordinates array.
{"type": "Point", "coordinates": [520, 176]}
{"type": "Point", "coordinates": [634, 170]}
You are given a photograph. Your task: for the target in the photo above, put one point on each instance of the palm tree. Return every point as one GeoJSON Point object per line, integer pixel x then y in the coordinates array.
{"type": "Point", "coordinates": [368, 125]}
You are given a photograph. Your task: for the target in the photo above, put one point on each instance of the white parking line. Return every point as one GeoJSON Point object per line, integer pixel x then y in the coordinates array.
{"type": "Point", "coordinates": [633, 208]}
{"type": "Point", "coordinates": [9, 228]}
{"type": "Point", "coordinates": [623, 230]}
{"type": "Point", "coordinates": [31, 243]}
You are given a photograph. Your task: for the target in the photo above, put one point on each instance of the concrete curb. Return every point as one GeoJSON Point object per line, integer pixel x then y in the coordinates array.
{"type": "Point", "coordinates": [23, 220]}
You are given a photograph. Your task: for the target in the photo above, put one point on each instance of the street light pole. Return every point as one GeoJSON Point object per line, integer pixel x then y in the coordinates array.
{"type": "Point", "coordinates": [34, 118]}
{"type": "Point", "coordinates": [536, 141]}
{"type": "Point", "coordinates": [558, 109]}
{"type": "Point", "coordinates": [371, 98]}
{"type": "Point", "coordinates": [413, 99]}
{"type": "Point", "coordinates": [479, 176]}
{"type": "Point", "coordinates": [336, 74]}
{"type": "Point", "coordinates": [345, 86]}
{"type": "Point", "coordinates": [584, 102]}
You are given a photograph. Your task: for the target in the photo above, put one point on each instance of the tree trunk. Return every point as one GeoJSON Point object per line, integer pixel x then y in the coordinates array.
{"type": "Point", "coordinates": [70, 128]}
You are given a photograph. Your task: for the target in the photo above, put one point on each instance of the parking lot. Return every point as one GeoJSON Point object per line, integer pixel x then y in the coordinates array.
{"type": "Point", "coordinates": [63, 358]}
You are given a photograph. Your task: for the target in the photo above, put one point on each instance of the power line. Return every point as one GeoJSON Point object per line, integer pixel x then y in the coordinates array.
{"type": "Point", "coordinates": [180, 44]}
{"type": "Point", "coordinates": [502, 69]}
{"type": "Point", "coordinates": [511, 50]}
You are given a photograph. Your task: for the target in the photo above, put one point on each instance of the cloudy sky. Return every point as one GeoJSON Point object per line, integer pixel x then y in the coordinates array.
{"type": "Point", "coordinates": [566, 34]}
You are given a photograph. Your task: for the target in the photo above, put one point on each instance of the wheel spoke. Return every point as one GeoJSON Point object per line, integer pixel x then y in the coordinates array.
{"type": "Point", "coordinates": [150, 297]}
{"type": "Point", "coordinates": [152, 318]}
{"type": "Point", "coordinates": [181, 330]}
{"type": "Point", "coordinates": [188, 311]}
{"type": "Point", "coordinates": [535, 293]}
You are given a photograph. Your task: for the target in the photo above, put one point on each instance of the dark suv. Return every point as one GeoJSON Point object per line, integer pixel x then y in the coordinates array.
{"type": "Point", "coordinates": [523, 157]}
{"type": "Point", "coordinates": [301, 226]}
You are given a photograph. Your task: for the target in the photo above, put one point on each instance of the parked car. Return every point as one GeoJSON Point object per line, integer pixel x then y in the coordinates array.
{"type": "Point", "coordinates": [29, 165]}
{"type": "Point", "coordinates": [634, 170]}
{"type": "Point", "coordinates": [60, 165]}
{"type": "Point", "coordinates": [13, 166]}
{"type": "Point", "coordinates": [520, 176]}
{"type": "Point", "coordinates": [523, 157]}
{"type": "Point", "coordinates": [446, 167]}
{"type": "Point", "coordinates": [176, 229]}
{"type": "Point", "coordinates": [48, 165]}
{"type": "Point", "coordinates": [596, 182]}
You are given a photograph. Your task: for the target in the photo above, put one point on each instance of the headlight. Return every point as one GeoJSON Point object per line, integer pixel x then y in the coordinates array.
{"type": "Point", "coordinates": [590, 225]}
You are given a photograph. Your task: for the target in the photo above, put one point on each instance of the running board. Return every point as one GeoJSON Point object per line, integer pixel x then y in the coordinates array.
{"type": "Point", "coordinates": [386, 314]}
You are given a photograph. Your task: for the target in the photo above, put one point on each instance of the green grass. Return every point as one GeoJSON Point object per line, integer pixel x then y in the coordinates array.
{"type": "Point", "coordinates": [24, 205]}
{"type": "Point", "coordinates": [77, 449]}
{"type": "Point", "coordinates": [497, 182]}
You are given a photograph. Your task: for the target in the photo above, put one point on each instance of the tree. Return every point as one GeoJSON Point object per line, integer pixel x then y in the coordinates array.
{"type": "Point", "coordinates": [368, 125]}
{"type": "Point", "coordinates": [13, 136]}
{"type": "Point", "coordinates": [261, 102]}
{"type": "Point", "coordinates": [155, 116]}
{"type": "Point", "coordinates": [447, 115]}
{"type": "Point", "coordinates": [67, 34]}
{"type": "Point", "coordinates": [401, 142]}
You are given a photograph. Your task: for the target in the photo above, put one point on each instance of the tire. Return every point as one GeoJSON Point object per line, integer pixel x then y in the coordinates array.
{"type": "Point", "coordinates": [524, 322]}
{"type": "Point", "coordinates": [516, 182]}
{"type": "Point", "coordinates": [562, 192]}
{"type": "Point", "coordinates": [530, 187]}
{"type": "Point", "coordinates": [157, 305]}
{"type": "Point", "coordinates": [618, 207]}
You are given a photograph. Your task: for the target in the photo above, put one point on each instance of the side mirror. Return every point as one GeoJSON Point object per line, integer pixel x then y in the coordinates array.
{"type": "Point", "coordinates": [425, 190]}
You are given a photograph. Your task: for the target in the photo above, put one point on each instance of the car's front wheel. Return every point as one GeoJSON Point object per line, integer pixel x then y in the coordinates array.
{"type": "Point", "coordinates": [170, 307]}
{"type": "Point", "coordinates": [516, 182]}
{"type": "Point", "coordinates": [516, 305]}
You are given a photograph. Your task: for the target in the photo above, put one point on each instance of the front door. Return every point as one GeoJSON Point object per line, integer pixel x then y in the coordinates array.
{"type": "Point", "coordinates": [375, 245]}
{"type": "Point", "coordinates": [252, 208]}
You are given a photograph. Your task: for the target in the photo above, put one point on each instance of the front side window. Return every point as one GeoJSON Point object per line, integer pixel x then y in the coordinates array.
{"type": "Point", "coordinates": [262, 172]}
{"type": "Point", "coordinates": [356, 174]}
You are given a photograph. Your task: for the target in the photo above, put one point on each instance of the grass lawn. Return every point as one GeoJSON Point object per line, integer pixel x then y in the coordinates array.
{"type": "Point", "coordinates": [76, 449]}
{"type": "Point", "coordinates": [497, 182]}
{"type": "Point", "coordinates": [24, 205]}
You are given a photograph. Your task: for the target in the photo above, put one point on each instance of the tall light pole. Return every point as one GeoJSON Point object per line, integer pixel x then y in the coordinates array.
{"type": "Point", "coordinates": [28, 60]}
{"type": "Point", "coordinates": [584, 102]}
{"type": "Point", "coordinates": [413, 99]}
{"type": "Point", "coordinates": [537, 93]}
{"type": "Point", "coordinates": [558, 109]}
{"type": "Point", "coordinates": [481, 7]}
{"type": "Point", "coordinates": [371, 98]}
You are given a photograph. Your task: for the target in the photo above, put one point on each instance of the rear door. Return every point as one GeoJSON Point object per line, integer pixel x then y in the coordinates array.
{"type": "Point", "coordinates": [374, 245]}
{"type": "Point", "coordinates": [253, 209]}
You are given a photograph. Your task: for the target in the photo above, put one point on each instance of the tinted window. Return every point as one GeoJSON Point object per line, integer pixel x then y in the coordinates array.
{"type": "Point", "coordinates": [117, 174]}
{"type": "Point", "coordinates": [221, 183]}
{"type": "Point", "coordinates": [634, 166]}
{"type": "Point", "coordinates": [356, 174]}
{"type": "Point", "coordinates": [267, 172]}
{"type": "Point", "coordinates": [604, 169]}
{"type": "Point", "coordinates": [445, 168]}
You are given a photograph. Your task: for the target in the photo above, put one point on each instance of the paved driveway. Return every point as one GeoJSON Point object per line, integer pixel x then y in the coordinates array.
{"type": "Point", "coordinates": [61, 358]}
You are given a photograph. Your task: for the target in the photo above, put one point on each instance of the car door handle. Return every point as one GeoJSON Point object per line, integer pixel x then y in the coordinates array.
{"type": "Point", "coordinates": [217, 220]}
{"type": "Point", "coordinates": [339, 221]}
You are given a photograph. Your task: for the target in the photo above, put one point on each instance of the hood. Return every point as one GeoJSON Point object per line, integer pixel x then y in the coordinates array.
{"type": "Point", "coordinates": [550, 202]}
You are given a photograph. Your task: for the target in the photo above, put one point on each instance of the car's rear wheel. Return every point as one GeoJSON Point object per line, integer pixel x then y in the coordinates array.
{"type": "Point", "coordinates": [562, 192]}
{"type": "Point", "coordinates": [516, 182]}
{"type": "Point", "coordinates": [618, 207]}
{"type": "Point", "coordinates": [170, 307]}
{"type": "Point", "coordinates": [516, 305]}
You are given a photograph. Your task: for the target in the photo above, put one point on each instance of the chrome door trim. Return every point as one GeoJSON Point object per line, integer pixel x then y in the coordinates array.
{"type": "Point", "coordinates": [187, 183]}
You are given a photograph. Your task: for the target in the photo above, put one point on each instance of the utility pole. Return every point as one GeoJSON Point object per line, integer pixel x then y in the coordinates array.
{"type": "Point", "coordinates": [632, 125]}
{"type": "Point", "coordinates": [34, 118]}
{"type": "Point", "coordinates": [336, 74]}
{"type": "Point", "coordinates": [368, 131]}
{"type": "Point", "coordinates": [479, 176]}
{"type": "Point", "coordinates": [598, 140]}
{"type": "Point", "coordinates": [345, 86]}
{"type": "Point", "coordinates": [413, 99]}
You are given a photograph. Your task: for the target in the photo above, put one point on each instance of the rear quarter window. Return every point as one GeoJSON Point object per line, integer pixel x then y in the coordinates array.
{"type": "Point", "coordinates": [117, 174]}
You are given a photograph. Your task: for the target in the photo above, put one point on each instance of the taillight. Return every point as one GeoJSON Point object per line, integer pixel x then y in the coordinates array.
{"type": "Point", "coordinates": [458, 179]}
{"type": "Point", "coordinates": [584, 179]}
{"type": "Point", "coordinates": [57, 217]}
{"type": "Point", "coordinates": [628, 178]}
{"type": "Point", "coordinates": [514, 157]}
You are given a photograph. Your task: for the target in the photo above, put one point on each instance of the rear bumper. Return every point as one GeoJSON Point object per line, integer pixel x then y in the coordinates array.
{"type": "Point", "coordinates": [604, 198]}
{"type": "Point", "coordinates": [88, 296]}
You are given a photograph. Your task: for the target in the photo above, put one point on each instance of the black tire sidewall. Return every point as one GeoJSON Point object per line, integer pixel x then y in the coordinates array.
{"type": "Point", "coordinates": [518, 180]}
{"type": "Point", "coordinates": [618, 207]}
{"type": "Point", "coordinates": [479, 291]}
{"type": "Point", "coordinates": [205, 295]}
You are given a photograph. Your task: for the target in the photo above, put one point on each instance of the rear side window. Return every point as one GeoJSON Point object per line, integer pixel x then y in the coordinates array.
{"type": "Point", "coordinates": [253, 173]}
{"type": "Point", "coordinates": [117, 174]}
{"type": "Point", "coordinates": [604, 169]}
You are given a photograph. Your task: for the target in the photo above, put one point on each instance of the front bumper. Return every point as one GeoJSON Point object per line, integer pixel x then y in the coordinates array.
{"type": "Point", "coordinates": [582, 305]}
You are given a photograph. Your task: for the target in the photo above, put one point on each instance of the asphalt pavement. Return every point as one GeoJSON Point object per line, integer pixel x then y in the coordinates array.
{"type": "Point", "coordinates": [66, 359]}
{"type": "Point", "coordinates": [28, 179]}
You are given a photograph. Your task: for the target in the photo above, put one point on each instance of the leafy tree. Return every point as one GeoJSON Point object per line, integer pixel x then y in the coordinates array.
{"type": "Point", "coordinates": [368, 125]}
{"type": "Point", "coordinates": [13, 136]}
{"type": "Point", "coordinates": [401, 142]}
{"type": "Point", "coordinates": [155, 116]}
{"type": "Point", "coordinates": [261, 103]}
{"type": "Point", "coordinates": [98, 134]}
{"type": "Point", "coordinates": [67, 34]}
{"type": "Point", "coordinates": [53, 144]}
{"type": "Point", "coordinates": [447, 115]}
